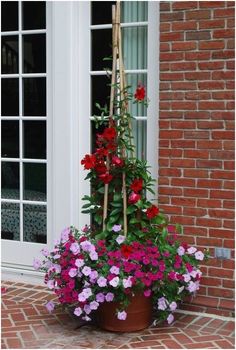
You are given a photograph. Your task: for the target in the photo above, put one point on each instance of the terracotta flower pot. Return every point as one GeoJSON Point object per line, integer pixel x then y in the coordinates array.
{"type": "Point", "coordinates": [139, 315]}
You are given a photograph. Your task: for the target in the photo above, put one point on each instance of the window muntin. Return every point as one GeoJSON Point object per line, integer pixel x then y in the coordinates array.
{"type": "Point", "coordinates": [23, 122]}
{"type": "Point", "coordinates": [134, 40]}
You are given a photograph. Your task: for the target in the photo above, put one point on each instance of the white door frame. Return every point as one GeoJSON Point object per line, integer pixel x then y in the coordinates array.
{"type": "Point", "coordinates": [68, 112]}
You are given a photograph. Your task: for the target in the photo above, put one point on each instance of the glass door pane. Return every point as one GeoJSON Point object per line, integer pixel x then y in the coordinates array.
{"type": "Point", "coordinates": [24, 121]}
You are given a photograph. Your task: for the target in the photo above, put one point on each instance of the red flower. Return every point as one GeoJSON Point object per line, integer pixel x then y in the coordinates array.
{"type": "Point", "coordinates": [152, 212]}
{"type": "Point", "coordinates": [126, 250]}
{"type": "Point", "coordinates": [134, 197]}
{"type": "Point", "coordinates": [106, 178]}
{"type": "Point", "coordinates": [117, 161]}
{"type": "Point", "coordinates": [137, 185]}
{"type": "Point", "coordinates": [100, 167]}
{"type": "Point", "coordinates": [102, 152]}
{"type": "Point", "coordinates": [109, 134]}
{"type": "Point", "coordinates": [140, 93]}
{"type": "Point", "coordinates": [88, 161]}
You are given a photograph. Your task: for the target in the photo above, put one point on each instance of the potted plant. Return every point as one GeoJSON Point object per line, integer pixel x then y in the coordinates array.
{"type": "Point", "coordinates": [128, 261]}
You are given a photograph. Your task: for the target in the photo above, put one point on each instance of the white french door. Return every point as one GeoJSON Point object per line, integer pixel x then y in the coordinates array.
{"type": "Point", "coordinates": [50, 82]}
{"type": "Point", "coordinates": [24, 161]}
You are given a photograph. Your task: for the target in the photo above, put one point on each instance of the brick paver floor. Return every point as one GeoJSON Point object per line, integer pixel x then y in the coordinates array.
{"type": "Point", "coordinates": [27, 324]}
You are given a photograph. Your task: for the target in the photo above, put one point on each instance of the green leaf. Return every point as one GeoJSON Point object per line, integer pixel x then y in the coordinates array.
{"type": "Point", "coordinates": [134, 221]}
{"type": "Point", "coordinates": [101, 190]}
{"type": "Point", "coordinates": [98, 218]}
{"type": "Point", "coordinates": [116, 204]}
{"type": "Point", "coordinates": [87, 211]}
{"type": "Point", "coordinates": [131, 209]}
{"type": "Point", "coordinates": [117, 197]}
{"type": "Point", "coordinates": [86, 198]}
{"type": "Point", "coordinates": [113, 219]}
{"type": "Point", "coordinates": [115, 211]}
{"type": "Point", "coordinates": [86, 205]}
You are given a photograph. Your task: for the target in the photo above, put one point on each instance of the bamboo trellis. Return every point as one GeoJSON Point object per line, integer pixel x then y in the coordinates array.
{"type": "Point", "coordinates": [118, 73]}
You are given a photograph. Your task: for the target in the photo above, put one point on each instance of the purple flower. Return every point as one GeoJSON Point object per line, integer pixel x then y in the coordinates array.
{"type": "Point", "coordinates": [170, 319]}
{"type": "Point", "coordinates": [173, 306]}
{"type": "Point", "coordinates": [78, 311]}
{"type": "Point", "coordinates": [87, 246]}
{"type": "Point", "coordinates": [82, 297]}
{"type": "Point", "coordinates": [193, 286]}
{"type": "Point", "coordinates": [114, 282]}
{"type": "Point", "coordinates": [199, 255]}
{"type": "Point", "coordinates": [85, 228]}
{"type": "Point", "coordinates": [122, 315]}
{"type": "Point", "coordinates": [79, 262]}
{"type": "Point", "coordinates": [94, 305]}
{"type": "Point", "coordinates": [87, 292]}
{"type": "Point", "coordinates": [74, 248]}
{"type": "Point", "coordinates": [191, 250]}
{"type": "Point", "coordinates": [162, 303]}
{"type": "Point", "coordinates": [37, 264]}
{"type": "Point", "coordinates": [51, 284]}
{"type": "Point", "coordinates": [65, 235]}
{"type": "Point", "coordinates": [45, 252]}
{"type": "Point", "coordinates": [109, 297]}
{"type": "Point", "coordinates": [100, 297]}
{"type": "Point", "coordinates": [50, 306]}
{"type": "Point", "coordinates": [181, 251]}
{"type": "Point", "coordinates": [120, 239]}
{"type": "Point", "coordinates": [93, 255]}
{"type": "Point", "coordinates": [73, 272]}
{"type": "Point", "coordinates": [86, 270]}
{"type": "Point", "coordinates": [93, 275]}
{"type": "Point", "coordinates": [115, 270]}
{"type": "Point", "coordinates": [87, 309]}
{"type": "Point", "coordinates": [102, 282]}
{"type": "Point", "coordinates": [116, 228]}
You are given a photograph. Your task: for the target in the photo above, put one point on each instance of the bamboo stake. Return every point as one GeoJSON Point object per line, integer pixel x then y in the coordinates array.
{"type": "Point", "coordinates": [114, 63]}
{"type": "Point", "coordinates": [123, 110]}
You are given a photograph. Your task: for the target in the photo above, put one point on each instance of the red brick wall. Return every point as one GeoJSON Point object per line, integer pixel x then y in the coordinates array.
{"type": "Point", "coordinates": [196, 150]}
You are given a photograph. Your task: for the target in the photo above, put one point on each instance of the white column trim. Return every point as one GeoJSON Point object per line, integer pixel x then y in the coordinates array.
{"type": "Point", "coordinates": [153, 88]}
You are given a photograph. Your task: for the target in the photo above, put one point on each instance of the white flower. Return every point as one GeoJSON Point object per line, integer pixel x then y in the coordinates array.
{"type": "Point", "coordinates": [191, 250]}
{"type": "Point", "coordinates": [51, 284]}
{"type": "Point", "coordinates": [115, 270]}
{"type": "Point", "coordinates": [187, 277]}
{"type": "Point", "coordinates": [180, 290]}
{"type": "Point", "coordinates": [86, 270]}
{"type": "Point", "coordinates": [120, 239]}
{"type": "Point", "coordinates": [79, 262]}
{"type": "Point", "coordinates": [74, 248]}
{"type": "Point", "coordinates": [114, 282]}
{"type": "Point", "coordinates": [102, 282]}
{"type": "Point", "coordinates": [199, 255]}
{"type": "Point", "coordinates": [127, 283]}
{"type": "Point", "coordinates": [72, 272]}
{"type": "Point", "coordinates": [121, 315]}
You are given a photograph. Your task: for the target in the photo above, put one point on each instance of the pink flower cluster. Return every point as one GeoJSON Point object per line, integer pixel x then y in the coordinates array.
{"type": "Point", "coordinates": [84, 272]}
